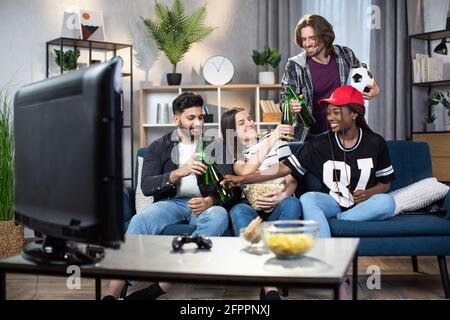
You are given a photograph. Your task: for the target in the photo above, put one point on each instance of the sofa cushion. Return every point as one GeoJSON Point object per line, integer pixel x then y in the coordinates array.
{"type": "Point", "coordinates": [398, 226]}
{"type": "Point", "coordinates": [411, 162]}
{"type": "Point", "coordinates": [141, 201]}
{"type": "Point", "coordinates": [419, 195]}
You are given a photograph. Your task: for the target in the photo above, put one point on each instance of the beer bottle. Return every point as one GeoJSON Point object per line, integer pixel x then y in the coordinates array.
{"type": "Point", "coordinates": [225, 194]}
{"type": "Point", "coordinates": [210, 180]}
{"type": "Point", "coordinates": [305, 115]}
{"type": "Point", "coordinates": [287, 116]}
{"type": "Point", "coordinates": [203, 181]}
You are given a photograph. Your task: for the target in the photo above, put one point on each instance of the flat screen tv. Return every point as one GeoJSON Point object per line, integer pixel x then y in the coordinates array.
{"type": "Point", "coordinates": [68, 164]}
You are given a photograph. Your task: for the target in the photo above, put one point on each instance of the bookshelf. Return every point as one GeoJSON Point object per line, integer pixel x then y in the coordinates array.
{"type": "Point", "coordinates": [102, 51]}
{"type": "Point", "coordinates": [438, 141]}
{"type": "Point", "coordinates": [218, 99]}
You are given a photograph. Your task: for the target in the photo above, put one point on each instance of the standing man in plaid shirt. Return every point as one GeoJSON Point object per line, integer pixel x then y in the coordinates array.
{"type": "Point", "coordinates": [318, 70]}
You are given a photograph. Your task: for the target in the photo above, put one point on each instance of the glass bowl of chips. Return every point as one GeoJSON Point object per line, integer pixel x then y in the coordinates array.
{"type": "Point", "coordinates": [289, 239]}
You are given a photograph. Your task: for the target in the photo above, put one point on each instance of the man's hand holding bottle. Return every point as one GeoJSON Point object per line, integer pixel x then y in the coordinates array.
{"type": "Point", "coordinates": [192, 166]}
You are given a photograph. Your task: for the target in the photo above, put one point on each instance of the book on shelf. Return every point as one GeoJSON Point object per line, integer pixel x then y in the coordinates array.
{"type": "Point", "coordinates": [426, 69]}
{"type": "Point", "coordinates": [269, 106]}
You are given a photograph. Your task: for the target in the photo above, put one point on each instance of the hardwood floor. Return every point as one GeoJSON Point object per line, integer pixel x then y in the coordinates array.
{"type": "Point", "coordinates": [398, 281]}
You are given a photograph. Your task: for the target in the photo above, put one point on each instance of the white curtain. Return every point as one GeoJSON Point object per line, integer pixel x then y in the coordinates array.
{"type": "Point", "coordinates": [349, 21]}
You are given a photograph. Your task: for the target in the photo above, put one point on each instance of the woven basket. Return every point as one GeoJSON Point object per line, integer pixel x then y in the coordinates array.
{"type": "Point", "coordinates": [11, 239]}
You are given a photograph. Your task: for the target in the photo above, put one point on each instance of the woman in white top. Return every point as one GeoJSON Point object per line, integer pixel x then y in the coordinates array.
{"type": "Point", "coordinates": [251, 155]}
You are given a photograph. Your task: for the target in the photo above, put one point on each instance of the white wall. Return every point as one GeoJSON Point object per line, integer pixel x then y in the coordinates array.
{"type": "Point", "coordinates": [26, 25]}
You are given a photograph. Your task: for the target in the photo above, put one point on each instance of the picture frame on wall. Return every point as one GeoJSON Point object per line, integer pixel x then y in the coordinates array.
{"type": "Point", "coordinates": [71, 27]}
{"type": "Point", "coordinates": [92, 25]}
{"type": "Point", "coordinates": [85, 24]}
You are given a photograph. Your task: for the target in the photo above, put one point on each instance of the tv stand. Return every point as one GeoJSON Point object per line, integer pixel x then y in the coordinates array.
{"type": "Point", "coordinates": [55, 251]}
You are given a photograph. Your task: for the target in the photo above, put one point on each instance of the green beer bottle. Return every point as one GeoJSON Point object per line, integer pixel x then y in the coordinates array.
{"type": "Point", "coordinates": [287, 116]}
{"type": "Point", "coordinates": [305, 116]}
{"type": "Point", "coordinates": [210, 180]}
{"type": "Point", "coordinates": [225, 194]}
{"type": "Point", "coordinates": [204, 180]}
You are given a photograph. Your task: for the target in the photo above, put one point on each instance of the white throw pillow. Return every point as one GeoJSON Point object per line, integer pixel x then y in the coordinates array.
{"type": "Point", "coordinates": [141, 201]}
{"type": "Point", "coordinates": [418, 195]}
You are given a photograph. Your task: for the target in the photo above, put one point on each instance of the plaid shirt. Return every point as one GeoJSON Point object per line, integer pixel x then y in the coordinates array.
{"type": "Point", "coordinates": [297, 74]}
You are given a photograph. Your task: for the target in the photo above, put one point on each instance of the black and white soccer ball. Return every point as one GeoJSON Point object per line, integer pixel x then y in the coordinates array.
{"type": "Point", "coordinates": [360, 78]}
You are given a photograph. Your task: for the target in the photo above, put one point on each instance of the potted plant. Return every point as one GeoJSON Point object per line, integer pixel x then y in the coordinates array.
{"type": "Point", "coordinates": [444, 100]}
{"type": "Point", "coordinates": [69, 59]}
{"type": "Point", "coordinates": [429, 122]}
{"type": "Point", "coordinates": [174, 33]}
{"type": "Point", "coordinates": [11, 236]}
{"type": "Point", "coordinates": [268, 57]}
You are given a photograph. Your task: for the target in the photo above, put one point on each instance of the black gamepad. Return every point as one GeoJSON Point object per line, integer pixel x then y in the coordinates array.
{"type": "Point", "coordinates": [202, 242]}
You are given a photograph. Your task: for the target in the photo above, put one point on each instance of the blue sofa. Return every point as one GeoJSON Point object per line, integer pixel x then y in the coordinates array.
{"type": "Point", "coordinates": [404, 235]}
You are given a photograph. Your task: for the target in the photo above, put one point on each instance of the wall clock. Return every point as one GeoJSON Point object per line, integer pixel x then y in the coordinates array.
{"type": "Point", "coordinates": [218, 70]}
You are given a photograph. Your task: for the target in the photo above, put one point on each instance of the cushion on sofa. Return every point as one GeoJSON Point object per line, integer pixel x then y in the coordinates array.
{"type": "Point", "coordinates": [411, 162]}
{"type": "Point", "coordinates": [398, 226]}
{"type": "Point", "coordinates": [419, 195]}
{"type": "Point", "coordinates": [141, 201]}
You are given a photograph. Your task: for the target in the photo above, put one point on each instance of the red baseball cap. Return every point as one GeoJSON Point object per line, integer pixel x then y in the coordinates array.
{"type": "Point", "coordinates": [344, 95]}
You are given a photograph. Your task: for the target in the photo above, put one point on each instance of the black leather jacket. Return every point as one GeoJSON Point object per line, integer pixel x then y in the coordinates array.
{"type": "Point", "coordinates": [158, 165]}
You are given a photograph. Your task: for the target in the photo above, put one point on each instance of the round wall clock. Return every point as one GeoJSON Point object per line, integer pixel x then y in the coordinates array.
{"type": "Point", "coordinates": [218, 70]}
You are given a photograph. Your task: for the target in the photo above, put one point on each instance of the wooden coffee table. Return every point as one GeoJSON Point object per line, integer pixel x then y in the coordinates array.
{"type": "Point", "coordinates": [151, 258]}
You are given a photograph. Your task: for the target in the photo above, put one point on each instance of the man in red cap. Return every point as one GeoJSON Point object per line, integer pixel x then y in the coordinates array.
{"type": "Point", "coordinates": [351, 162]}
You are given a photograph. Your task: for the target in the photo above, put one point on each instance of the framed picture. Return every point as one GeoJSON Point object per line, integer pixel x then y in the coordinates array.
{"type": "Point", "coordinates": [92, 27]}
{"type": "Point", "coordinates": [71, 27]}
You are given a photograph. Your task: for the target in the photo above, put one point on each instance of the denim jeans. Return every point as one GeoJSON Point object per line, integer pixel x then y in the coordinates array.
{"type": "Point", "coordinates": [242, 213]}
{"type": "Point", "coordinates": [155, 217]}
{"type": "Point", "coordinates": [319, 206]}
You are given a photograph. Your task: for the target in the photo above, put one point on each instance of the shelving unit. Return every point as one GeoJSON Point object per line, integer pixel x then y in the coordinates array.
{"type": "Point", "coordinates": [107, 48]}
{"type": "Point", "coordinates": [217, 98]}
{"type": "Point", "coordinates": [428, 37]}
{"type": "Point", "coordinates": [439, 141]}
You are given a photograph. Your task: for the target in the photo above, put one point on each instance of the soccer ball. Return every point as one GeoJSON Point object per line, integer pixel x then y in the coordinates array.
{"type": "Point", "coordinates": [359, 78]}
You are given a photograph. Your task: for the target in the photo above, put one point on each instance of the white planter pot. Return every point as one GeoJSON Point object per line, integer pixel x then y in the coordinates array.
{"type": "Point", "coordinates": [431, 127]}
{"type": "Point", "coordinates": [266, 77]}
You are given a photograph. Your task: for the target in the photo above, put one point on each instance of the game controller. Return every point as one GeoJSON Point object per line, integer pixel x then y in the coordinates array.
{"type": "Point", "coordinates": [202, 242]}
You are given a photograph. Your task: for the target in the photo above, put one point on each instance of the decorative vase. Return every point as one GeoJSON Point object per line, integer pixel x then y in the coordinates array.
{"type": "Point", "coordinates": [267, 77]}
{"type": "Point", "coordinates": [431, 127]}
{"type": "Point", "coordinates": [173, 79]}
{"type": "Point", "coordinates": [11, 239]}
{"type": "Point", "coordinates": [447, 127]}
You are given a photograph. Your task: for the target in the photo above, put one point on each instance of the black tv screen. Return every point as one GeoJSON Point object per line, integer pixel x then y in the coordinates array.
{"type": "Point", "coordinates": [68, 155]}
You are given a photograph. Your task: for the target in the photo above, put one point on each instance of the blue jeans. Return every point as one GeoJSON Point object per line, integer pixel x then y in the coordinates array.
{"type": "Point", "coordinates": [319, 206]}
{"type": "Point", "coordinates": [154, 218]}
{"type": "Point", "coordinates": [242, 213]}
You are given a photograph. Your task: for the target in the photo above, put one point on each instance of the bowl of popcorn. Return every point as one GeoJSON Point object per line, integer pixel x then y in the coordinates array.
{"type": "Point", "coordinates": [289, 239]}
{"type": "Point", "coordinates": [256, 191]}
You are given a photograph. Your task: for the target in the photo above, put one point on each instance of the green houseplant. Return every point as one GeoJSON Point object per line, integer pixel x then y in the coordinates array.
{"type": "Point", "coordinates": [70, 58]}
{"type": "Point", "coordinates": [11, 236]}
{"type": "Point", "coordinates": [174, 33]}
{"type": "Point", "coordinates": [267, 58]}
{"type": "Point", "coordinates": [429, 122]}
{"type": "Point", "coordinates": [443, 99]}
